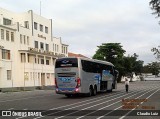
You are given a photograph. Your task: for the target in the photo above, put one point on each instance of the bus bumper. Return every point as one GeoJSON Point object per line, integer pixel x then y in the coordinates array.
{"type": "Point", "coordinates": [67, 90]}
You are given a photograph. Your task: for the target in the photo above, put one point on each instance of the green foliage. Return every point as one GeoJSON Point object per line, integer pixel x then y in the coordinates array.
{"type": "Point", "coordinates": [114, 53]}
{"type": "Point", "coordinates": [156, 51]}
{"type": "Point", "coordinates": [131, 64]}
{"type": "Point", "coordinates": [154, 68]}
{"type": "Point", "coordinates": [155, 6]}
{"type": "Point", "coordinates": [109, 52]}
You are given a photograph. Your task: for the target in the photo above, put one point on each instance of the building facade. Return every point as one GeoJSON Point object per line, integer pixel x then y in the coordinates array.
{"type": "Point", "coordinates": [27, 50]}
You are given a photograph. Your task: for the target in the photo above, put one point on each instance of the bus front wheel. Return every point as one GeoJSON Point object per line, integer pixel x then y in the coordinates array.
{"type": "Point", "coordinates": [90, 92]}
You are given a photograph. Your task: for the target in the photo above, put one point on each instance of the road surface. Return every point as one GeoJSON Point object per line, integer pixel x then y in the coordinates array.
{"type": "Point", "coordinates": [141, 102]}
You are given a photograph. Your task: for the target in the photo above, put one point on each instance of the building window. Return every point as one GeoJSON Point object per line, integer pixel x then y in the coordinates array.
{"type": "Point", "coordinates": [29, 58]}
{"type": "Point", "coordinates": [6, 21]}
{"type": "Point", "coordinates": [26, 75]}
{"type": "Point", "coordinates": [35, 25]}
{"type": "Point", "coordinates": [48, 75]}
{"type": "Point", "coordinates": [8, 74]}
{"type": "Point", "coordinates": [24, 39]}
{"type": "Point", "coordinates": [12, 36]}
{"type": "Point", "coordinates": [23, 58]}
{"type": "Point", "coordinates": [47, 62]}
{"type": "Point", "coordinates": [26, 24]}
{"type": "Point", "coordinates": [41, 27]}
{"type": "Point", "coordinates": [2, 34]}
{"type": "Point", "coordinates": [5, 54]}
{"type": "Point", "coordinates": [30, 75]}
{"type": "Point", "coordinates": [47, 47]}
{"type": "Point", "coordinates": [62, 49]}
{"type": "Point", "coordinates": [36, 44]}
{"type": "Point", "coordinates": [53, 46]}
{"type": "Point", "coordinates": [27, 40]}
{"type": "Point", "coordinates": [57, 48]}
{"type": "Point", "coordinates": [42, 61]}
{"type": "Point", "coordinates": [46, 29]}
{"type": "Point", "coordinates": [35, 60]}
{"type": "Point", "coordinates": [7, 35]}
{"type": "Point", "coordinates": [21, 38]}
{"type": "Point", "coordinates": [41, 45]}
{"type": "Point", "coordinates": [66, 50]}
{"type": "Point", "coordinates": [38, 75]}
{"type": "Point", "coordinates": [38, 60]}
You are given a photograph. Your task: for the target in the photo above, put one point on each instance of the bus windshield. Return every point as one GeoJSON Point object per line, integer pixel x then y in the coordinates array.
{"type": "Point", "coordinates": [66, 62]}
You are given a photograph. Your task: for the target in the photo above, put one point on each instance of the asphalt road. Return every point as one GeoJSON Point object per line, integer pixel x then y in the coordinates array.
{"type": "Point", "coordinates": [141, 102]}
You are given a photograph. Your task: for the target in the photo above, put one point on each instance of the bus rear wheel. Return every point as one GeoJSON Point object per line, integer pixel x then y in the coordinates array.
{"type": "Point", "coordinates": [94, 91]}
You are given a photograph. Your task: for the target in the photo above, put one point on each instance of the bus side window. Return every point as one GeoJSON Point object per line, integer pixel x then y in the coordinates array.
{"type": "Point", "coordinates": [110, 69]}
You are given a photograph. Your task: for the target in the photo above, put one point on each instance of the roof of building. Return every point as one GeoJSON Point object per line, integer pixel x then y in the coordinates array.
{"type": "Point", "coordinates": [70, 54]}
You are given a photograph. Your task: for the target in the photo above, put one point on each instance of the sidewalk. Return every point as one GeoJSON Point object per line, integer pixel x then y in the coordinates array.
{"type": "Point", "coordinates": [152, 78]}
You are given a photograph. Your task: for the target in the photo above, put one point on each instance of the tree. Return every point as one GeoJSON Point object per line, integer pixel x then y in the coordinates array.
{"type": "Point", "coordinates": [154, 68]}
{"type": "Point", "coordinates": [156, 52]}
{"type": "Point", "coordinates": [111, 52]}
{"type": "Point", "coordinates": [131, 64]}
{"type": "Point", "coordinates": [114, 53]}
{"type": "Point", "coordinates": [155, 6]}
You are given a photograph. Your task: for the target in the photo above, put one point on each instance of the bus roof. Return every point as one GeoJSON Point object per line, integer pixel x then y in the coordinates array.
{"type": "Point", "coordinates": [93, 60]}
{"type": "Point", "coordinates": [98, 61]}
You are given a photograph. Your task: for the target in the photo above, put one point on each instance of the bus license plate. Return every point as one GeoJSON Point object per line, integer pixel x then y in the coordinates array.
{"type": "Point", "coordinates": [66, 79]}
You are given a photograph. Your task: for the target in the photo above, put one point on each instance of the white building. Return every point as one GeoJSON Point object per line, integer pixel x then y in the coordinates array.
{"type": "Point", "coordinates": [27, 50]}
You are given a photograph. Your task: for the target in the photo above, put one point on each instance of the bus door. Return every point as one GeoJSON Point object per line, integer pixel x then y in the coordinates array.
{"type": "Point", "coordinates": [116, 73]}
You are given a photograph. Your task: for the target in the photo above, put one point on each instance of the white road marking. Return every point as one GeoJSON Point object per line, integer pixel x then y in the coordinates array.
{"type": "Point", "coordinates": [80, 105]}
{"type": "Point", "coordinates": [108, 106]}
{"type": "Point", "coordinates": [66, 109]}
{"type": "Point", "coordinates": [138, 105]}
{"type": "Point", "coordinates": [121, 106]}
{"type": "Point", "coordinates": [102, 97]}
{"type": "Point", "coordinates": [83, 102]}
{"type": "Point", "coordinates": [91, 106]}
{"type": "Point", "coordinates": [10, 109]}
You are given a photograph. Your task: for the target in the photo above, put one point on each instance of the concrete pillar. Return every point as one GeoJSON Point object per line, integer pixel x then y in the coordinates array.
{"type": "Point", "coordinates": [0, 54]}
{"type": "Point", "coordinates": [26, 57]}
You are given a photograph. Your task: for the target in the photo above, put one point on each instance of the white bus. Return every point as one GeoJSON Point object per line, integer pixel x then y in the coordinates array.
{"type": "Point", "coordinates": [84, 76]}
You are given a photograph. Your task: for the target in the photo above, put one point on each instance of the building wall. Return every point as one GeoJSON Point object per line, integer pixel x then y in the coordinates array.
{"type": "Point", "coordinates": [29, 66]}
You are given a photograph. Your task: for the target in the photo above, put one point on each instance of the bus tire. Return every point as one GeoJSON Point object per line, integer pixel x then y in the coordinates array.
{"type": "Point", "coordinates": [110, 90]}
{"type": "Point", "coordinates": [95, 91]}
{"type": "Point", "coordinates": [90, 92]}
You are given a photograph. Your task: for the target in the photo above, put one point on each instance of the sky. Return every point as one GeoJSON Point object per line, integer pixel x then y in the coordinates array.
{"type": "Point", "coordinates": [86, 24]}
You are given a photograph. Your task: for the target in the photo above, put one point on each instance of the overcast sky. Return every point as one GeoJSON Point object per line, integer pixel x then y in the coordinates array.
{"type": "Point", "coordinates": [85, 24]}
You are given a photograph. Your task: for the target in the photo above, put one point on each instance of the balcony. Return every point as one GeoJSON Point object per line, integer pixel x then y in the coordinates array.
{"type": "Point", "coordinates": [38, 67]}
{"type": "Point", "coordinates": [11, 27]}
